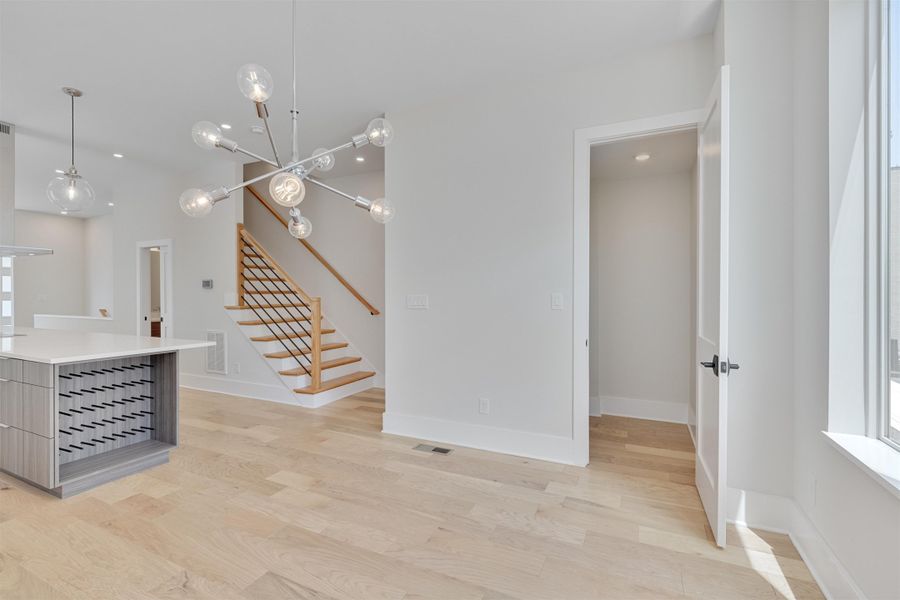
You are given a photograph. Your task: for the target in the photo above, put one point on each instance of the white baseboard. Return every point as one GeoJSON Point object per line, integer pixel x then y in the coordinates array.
{"type": "Point", "coordinates": [783, 515]}
{"type": "Point", "coordinates": [235, 387]}
{"type": "Point", "coordinates": [654, 410]}
{"type": "Point", "coordinates": [484, 437]}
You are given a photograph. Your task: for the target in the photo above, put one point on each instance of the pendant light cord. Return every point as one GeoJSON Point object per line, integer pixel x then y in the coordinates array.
{"type": "Point", "coordinates": [73, 130]}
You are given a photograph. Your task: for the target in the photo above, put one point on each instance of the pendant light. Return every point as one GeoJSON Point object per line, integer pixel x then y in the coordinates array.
{"type": "Point", "coordinates": [287, 181]}
{"type": "Point", "coordinates": [69, 191]}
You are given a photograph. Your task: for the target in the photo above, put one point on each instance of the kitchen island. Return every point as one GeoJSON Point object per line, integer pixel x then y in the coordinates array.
{"type": "Point", "coordinates": [79, 409]}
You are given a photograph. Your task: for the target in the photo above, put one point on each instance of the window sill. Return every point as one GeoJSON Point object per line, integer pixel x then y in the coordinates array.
{"type": "Point", "coordinates": [877, 459]}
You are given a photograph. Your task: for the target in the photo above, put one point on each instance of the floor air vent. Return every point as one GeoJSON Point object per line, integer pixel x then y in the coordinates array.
{"type": "Point", "coordinates": [430, 448]}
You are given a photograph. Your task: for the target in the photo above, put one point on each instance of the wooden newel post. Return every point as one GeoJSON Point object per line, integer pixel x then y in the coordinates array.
{"type": "Point", "coordinates": [316, 316]}
{"type": "Point", "coordinates": [240, 265]}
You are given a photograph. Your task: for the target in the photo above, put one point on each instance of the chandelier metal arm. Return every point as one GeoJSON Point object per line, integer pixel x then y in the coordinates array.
{"type": "Point", "coordinates": [293, 165]}
{"type": "Point", "coordinates": [263, 113]}
{"type": "Point", "coordinates": [256, 156]}
{"type": "Point", "coordinates": [359, 201]}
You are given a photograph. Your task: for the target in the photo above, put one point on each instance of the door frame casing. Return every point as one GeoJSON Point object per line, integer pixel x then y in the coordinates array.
{"type": "Point", "coordinates": [169, 245]}
{"type": "Point", "coordinates": [584, 139]}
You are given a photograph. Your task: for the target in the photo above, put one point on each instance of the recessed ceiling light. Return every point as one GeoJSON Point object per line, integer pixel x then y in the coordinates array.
{"type": "Point", "coordinates": [643, 156]}
{"type": "Point", "coordinates": [117, 155]}
{"type": "Point", "coordinates": [60, 171]}
{"type": "Point", "coordinates": [257, 129]}
{"type": "Point", "coordinates": [63, 212]}
{"type": "Point", "coordinates": [225, 126]}
{"type": "Point", "coordinates": [110, 203]}
{"type": "Point", "coordinates": [360, 159]}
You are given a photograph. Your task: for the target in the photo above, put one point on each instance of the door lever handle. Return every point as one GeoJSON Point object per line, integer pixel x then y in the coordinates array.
{"type": "Point", "coordinates": [727, 367]}
{"type": "Point", "coordinates": [713, 364]}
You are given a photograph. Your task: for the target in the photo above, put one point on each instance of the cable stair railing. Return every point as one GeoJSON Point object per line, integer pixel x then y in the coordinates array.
{"type": "Point", "coordinates": [284, 318]}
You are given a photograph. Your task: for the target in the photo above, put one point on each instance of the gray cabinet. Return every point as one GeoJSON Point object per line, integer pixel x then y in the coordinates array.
{"type": "Point", "coordinates": [11, 450]}
{"type": "Point", "coordinates": [37, 410]}
{"type": "Point", "coordinates": [11, 403]}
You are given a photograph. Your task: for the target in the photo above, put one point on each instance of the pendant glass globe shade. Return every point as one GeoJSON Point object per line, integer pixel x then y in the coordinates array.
{"type": "Point", "coordinates": [287, 189]}
{"type": "Point", "coordinates": [206, 134]}
{"type": "Point", "coordinates": [379, 132]}
{"type": "Point", "coordinates": [382, 210]}
{"type": "Point", "coordinates": [70, 192]}
{"type": "Point", "coordinates": [323, 163]}
{"type": "Point", "coordinates": [300, 227]}
{"type": "Point", "coordinates": [196, 202]}
{"type": "Point", "coordinates": [255, 82]}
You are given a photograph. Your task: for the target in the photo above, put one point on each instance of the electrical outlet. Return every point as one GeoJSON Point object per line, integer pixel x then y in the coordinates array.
{"type": "Point", "coordinates": [484, 406]}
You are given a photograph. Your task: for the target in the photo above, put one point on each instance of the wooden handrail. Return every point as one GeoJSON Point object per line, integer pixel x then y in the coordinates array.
{"type": "Point", "coordinates": [372, 310]}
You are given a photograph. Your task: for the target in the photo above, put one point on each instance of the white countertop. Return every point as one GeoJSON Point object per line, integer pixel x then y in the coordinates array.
{"type": "Point", "coordinates": [57, 346]}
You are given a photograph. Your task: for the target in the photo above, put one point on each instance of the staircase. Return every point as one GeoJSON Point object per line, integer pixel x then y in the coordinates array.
{"type": "Point", "coordinates": [288, 328]}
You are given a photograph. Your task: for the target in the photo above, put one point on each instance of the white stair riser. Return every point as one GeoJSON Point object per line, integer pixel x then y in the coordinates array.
{"type": "Point", "coordinates": [299, 382]}
{"type": "Point", "coordinates": [266, 347]}
{"type": "Point", "coordinates": [283, 364]}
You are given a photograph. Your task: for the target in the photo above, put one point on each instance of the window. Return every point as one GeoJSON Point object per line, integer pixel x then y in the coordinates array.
{"type": "Point", "coordinates": [888, 418]}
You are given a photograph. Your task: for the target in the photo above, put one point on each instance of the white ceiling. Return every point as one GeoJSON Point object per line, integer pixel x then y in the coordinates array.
{"type": "Point", "coordinates": [150, 69]}
{"type": "Point", "coordinates": [669, 153]}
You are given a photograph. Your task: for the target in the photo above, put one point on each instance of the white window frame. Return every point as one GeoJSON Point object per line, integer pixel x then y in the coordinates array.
{"type": "Point", "coordinates": [878, 231]}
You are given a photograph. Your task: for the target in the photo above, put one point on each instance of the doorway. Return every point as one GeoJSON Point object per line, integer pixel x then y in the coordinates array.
{"type": "Point", "coordinates": [712, 367]}
{"type": "Point", "coordinates": [642, 276]}
{"type": "Point", "coordinates": [154, 289]}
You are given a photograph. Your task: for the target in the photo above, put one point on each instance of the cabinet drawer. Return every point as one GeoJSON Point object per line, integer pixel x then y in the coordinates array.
{"type": "Point", "coordinates": [11, 368]}
{"type": "Point", "coordinates": [37, 410]}
{"type": "Point", "coordinates": [11, 403]}
{"type": "Point", "coordinates": [37, 374]}
{"type": "Point", "coordinates": [38, 465]}
{"type": "Point", "coordinates": [11, 450]}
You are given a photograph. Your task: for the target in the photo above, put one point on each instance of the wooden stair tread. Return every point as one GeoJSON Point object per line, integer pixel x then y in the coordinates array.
{"type": "Point", "coordinates": [281, 336]}
{"type": "Point", "coordinates": [326, 364]}
{"type": "Point", "coordinates": [325, 348]}
{"type": "Point", "coordinates": [336, 382]}
{"type": "Point", "coordinates": [274, 321]}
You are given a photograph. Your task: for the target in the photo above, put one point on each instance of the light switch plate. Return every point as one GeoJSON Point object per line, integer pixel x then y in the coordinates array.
{"type": "Point", "coordinates": [417, 301]}
{"type": "Point", "coordinates": [556, 301]}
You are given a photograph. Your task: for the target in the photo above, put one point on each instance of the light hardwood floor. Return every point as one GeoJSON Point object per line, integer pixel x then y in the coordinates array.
{"type": "Point", "coordinates": [265, 501]}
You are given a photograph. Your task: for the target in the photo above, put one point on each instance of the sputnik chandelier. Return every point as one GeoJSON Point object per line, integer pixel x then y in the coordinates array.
{"type": "Point", "coordinates": [286, 181]}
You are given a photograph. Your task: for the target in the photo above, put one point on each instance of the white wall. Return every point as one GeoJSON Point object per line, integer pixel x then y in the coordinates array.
{"type": "Point", "coordinates": [641, 311]}
{"type": "Point", "coordinates": [53, 283]}
{"type": "Point", "coordinates": [483, 185]}
{"type": "Point", "coordinates": [98, 272]}
{"type": "Point", "coordinates": [857, 519]}
{"type": "Point", "coordinates": [790, 105]}
{"type": "Point", "coordinates": [349, 239]}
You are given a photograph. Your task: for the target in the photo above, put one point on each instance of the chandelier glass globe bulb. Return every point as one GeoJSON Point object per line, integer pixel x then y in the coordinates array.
{"type": "Point", "coordinates": [255, 82]}
{"type": "Point", "coordinates": [287, 189]}
{"type": "Point", "coordinates": [206, 134]}
{"type": "Point", "coordinates": [196, 202]}
{"type": "Point", "coordinates": [380, 132]}
{"type": "Point", "coordinates": [323, 163]}
{"type": "Point", "coordinates": [70, 192]}
{"type": "Point", "coordinates": [299, 226]}
{"type": "Point", "coordinates": [382, 210]}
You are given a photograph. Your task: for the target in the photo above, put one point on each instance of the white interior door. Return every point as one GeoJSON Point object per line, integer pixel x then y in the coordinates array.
{"type": "Point", "coordinates": [712, 307]}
